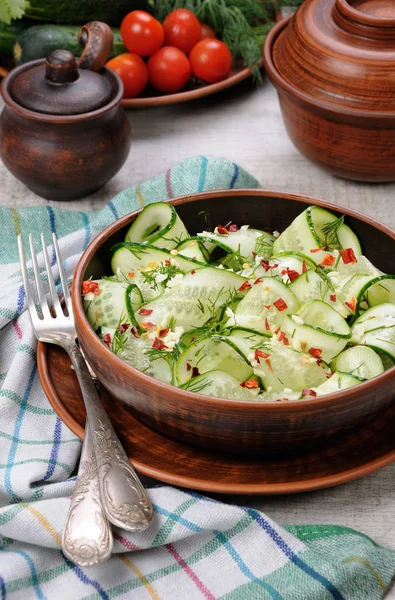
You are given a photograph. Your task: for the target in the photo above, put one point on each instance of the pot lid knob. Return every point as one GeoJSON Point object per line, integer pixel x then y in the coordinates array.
{"type": "Point", "coordinates": [62, 86]}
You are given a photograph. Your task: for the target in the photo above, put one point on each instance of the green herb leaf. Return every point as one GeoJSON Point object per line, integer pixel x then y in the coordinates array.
{"type": "Point", "coordinates": [12, 9]}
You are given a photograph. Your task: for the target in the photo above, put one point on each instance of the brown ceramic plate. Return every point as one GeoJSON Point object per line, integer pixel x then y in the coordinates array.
{"type": "Point", "coordinates": [236, 75]}
{"type": "Point", "coordinates": [351, 456]}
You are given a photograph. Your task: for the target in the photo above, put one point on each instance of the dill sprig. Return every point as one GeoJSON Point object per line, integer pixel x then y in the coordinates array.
{"type": "Point", "coordinates": [330, 232]}
{"type": "Point", "coordinates": [119, 338]}
{"type": "Point", "coordinates": [234, 260]}
{"type": "Point", "coordinates": [263, 247]}
{"type": "Point", "coordinates": [196, 384]}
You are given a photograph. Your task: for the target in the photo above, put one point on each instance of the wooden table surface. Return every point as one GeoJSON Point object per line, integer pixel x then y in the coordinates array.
{"type": "Point", "coordinates": [244, 125]}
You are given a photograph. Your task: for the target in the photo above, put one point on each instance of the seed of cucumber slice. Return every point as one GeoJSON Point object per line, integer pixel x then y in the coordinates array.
{"type": "Point", "coordinates": [220, 385]}
{"type": "Point", "coordinates": [116, 300]}
{"type": "Point", "coordinates": [358, 361]}
{"type": "Point", "coordinates": [215, 352]}
{"type": "Point", "coordinates": [252, 311]}
{"type": "Point", "coordinates": [158, 224]}
{"type": "Point", "coordinates": [338, 381]}
{"type": "Point", "coordinates": [134, 352]}
{"type": "Point", "coordinates": [287, 368]}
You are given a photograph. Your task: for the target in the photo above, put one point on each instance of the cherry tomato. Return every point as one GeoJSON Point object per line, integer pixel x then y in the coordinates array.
{"type": "Point", "coordinates": [210, 60]}
{"type": "Point", "coordinates": [169, 69]}
{"type": "Point", "coordinates": [207, 32]}
{"type": "Point", "coordinates": [133, 72]}
{"type": "Point", "coordinates": [141, 33]}
{"type": "Point", "coordinates": [182, 29]}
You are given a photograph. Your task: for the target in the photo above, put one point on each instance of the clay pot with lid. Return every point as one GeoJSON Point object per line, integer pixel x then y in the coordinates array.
{"type": "Point", "coordinates": [63, 132]}
{"type": "Point", "coordinates": [333, 65]}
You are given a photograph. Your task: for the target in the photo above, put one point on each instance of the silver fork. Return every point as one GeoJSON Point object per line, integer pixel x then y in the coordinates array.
{"type": "Point", "coordinates": [104, 463]}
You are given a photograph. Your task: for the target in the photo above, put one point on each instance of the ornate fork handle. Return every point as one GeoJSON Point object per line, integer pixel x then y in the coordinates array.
{"type": "Point", "coordinates": [87, 537]}
{"type": "Point", "coordinates": [123, 497]}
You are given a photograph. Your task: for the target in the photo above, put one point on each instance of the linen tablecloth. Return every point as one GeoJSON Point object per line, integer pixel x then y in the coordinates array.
{"type": "Point", "coordinates": [195, 547]}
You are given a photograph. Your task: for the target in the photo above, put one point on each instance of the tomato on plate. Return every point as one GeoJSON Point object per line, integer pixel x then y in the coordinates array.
{"type": "Point", "coordinates": [133, 72]}
{"type": "Point", "coordinates": [182, 29]}
{"type": "Point", "coordinates": [207, 32]}
{"type": "Point", "coordinates": [142, 33]}
{"type": "Point", "coordinates": [169, 69]}
{"type": "Point", "coordinates": [210, 60]}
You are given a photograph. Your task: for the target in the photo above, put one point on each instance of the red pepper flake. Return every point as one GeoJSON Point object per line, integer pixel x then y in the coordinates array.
{"type": "Point", "coordinates": [148, 325]}
{"type": "Point", "coordinates": [308, 392]}
{"type": "Point", "coordinates": [286, 341]}
{"type": "Point", "coordinates": [131, 274]}
{"type": "Point", "coordinates": [267, 326]}
{"type": "Point", "coordinates": [195, 372]}
{"type": "Point", "coordinates": [268, 306]}
{"type": "Point", "coordinates": [277, 330]}
{"type": "Point", "coordinates": [145, 312]}
{"type": "Point", "coordinates": [281, 336]}
{"type": "Point", "coordinates": [250, 384]}
{"type": "Point", "coordinates": [352, 305]}
{"type": "Point", "coordinates": [259, 280]}
{"type": "Point", "coordinates": [304, 267]}
{"type": "Point", "coordinates": [164, 332]}
{"type": "Point", "coordinates": [333, 297]}
{"type": "Point", "coordinates": [281, 400]}
{"type": "Point", "coordinates": [253, 254]}
{"type": "Point", "coordinates": [327, 261]}
{"type": "Point", "coordinates": [123, 327]}
{"type": "Point", "coordinates": [193, 272]}
{"type": "Point", "coordinates": [233, 227]}
{"type": "Point", "coordinates": [260, 354]}
{"type": "Point", "coordinates": [265, 264]}
{"type": "Point", "coordinates": [245, 286]}
{"type": "Point", "coordinates": [107, 339]}
{"type": "Point", "coordinates": [90, 286]}
{"type": "Point", "coordinates": [188, 367]}
{"type": "Point", "coordinates": [193, 339]}
{"type": "Point", "coordinates": [317, 249]}
{"type": "Point", "coordinates": [284, 271]}
{"type": "Point", "coordinates": [280, 305]}
{"type": "Point", "coordinates": [316, 352]}
{"type": "Point", "coordinates": [135, 331]}
{"type": "Point", "coordinates": [292, 274]}
{"type": "Point", "coordinates": [348, 256]}
{"type": "Point", "coordinates": [328, 375]}
{"type": "Point", "coordinates": [269, 364]}
{"type": "Point", "coordinates": [222, 230]}
{"type": "Point", "coordinates": [158, 344]}
{"type": "Point", "coordinates": [303, 346]}
{"type": "Point", "coordinates": [167, 262]}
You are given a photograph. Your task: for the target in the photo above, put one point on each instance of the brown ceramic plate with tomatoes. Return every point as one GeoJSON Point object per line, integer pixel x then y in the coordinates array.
{"type": "Point", "coordinates": [348, 457]}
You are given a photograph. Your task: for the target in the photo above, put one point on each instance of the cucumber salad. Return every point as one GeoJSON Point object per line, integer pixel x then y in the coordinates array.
{"type": "Point", "coordinates": [244, 314]}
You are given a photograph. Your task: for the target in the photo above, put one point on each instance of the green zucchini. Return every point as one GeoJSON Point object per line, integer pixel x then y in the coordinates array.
{"type": "Point", "coordinates": [9, 33]}
{"type": "Point", "coordinates": [82, 11]}
{"type": "Point", "coordinates": [40, 40]}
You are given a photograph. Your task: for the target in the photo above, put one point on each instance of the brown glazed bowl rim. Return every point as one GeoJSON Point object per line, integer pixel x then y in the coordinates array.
{"type": "Point", "coordinates": [282, 83]}
{"type": "Point", "coordinates": [184, 396]}
{"type": "Point", "coordinates": [38, 116]}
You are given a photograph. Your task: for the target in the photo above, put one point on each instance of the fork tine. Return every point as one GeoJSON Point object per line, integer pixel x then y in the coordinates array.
{"type": "Point", "coordinates": [40, 291]}
{"type": "Point", "coordinates": [25, 278]}
{"type": "Point", "coordinates": [62, 276]}
{"type": "Point", "coordinates": [51, 282]}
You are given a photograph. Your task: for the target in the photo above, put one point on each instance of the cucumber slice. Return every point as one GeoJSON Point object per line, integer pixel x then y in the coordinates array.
{"type": "Point", "coordinates": [128, 257]}
{"type": "Point", "coordinates": [377, 317]}
{"type": "Point", "coordinates": [158, 224]}
{"type": "Point", "coordinates": [194, 299]}
{"type": "Point", "coordinates": [193, 248]}
{"type": "Point", "coordinates": [243, 241]}
{"type": "Point", "coordinates": [348, 239]}
{"type": "Point", "coordinates": [277, 396]}
{"type": "Point", "coordinates": [338, 381]}
{"type": "Point", "coordinates": [287, 368]}
{"type": "Point", "coordinates": [116, 301]}
{"type": "Point", "coordinates": [381, 340]}
{"type": "Point", "coordinates": [317, 286]}
{"type": "Point", "coordinates": [220, 385]}
{"type": "Point", "coordinates": [252, 311]}
{"type": "Point", "coordinates": [212, 353]}
{"type": "Point", "coordinates": [381, 291]}
{"type": "Point", "coordinates": [325, 318]}
{"type": "Point", "coordinates": [305, 336]}
{"type": "Point", "coordinates": [358, 361]}
{"type": "Point", "coordinates": [194, 335]}
{"type": "Point", "coordinates": [136, 352]}
{"type": "Point", "coordinates": [246, 340]}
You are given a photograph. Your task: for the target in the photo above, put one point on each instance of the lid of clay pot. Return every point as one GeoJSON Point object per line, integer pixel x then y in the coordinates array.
{"type": "Point", "coordinates": [341, 52]}
{"type": "Point", "coordinates": [61, 86]}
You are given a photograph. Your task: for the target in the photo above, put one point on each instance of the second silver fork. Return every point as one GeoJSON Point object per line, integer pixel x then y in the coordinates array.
{"type": "Point", "coordinates": [106, 479]}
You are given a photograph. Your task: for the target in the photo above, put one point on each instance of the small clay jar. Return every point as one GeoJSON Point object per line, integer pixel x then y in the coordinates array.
{"type": "Point", "coordinates": [63, 132]}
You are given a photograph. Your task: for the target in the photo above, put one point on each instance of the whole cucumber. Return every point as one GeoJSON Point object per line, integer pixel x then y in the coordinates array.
{"type": "Point", "coordinates": [8, 34]}
{"type": "Point", "coordinates": [40, 40]}
{"type": "Point", "coordinates": [82, 11]}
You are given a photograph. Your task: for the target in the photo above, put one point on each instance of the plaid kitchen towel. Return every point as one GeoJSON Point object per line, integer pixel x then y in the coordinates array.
{"type": "Point", "coordinates": [196, 548]}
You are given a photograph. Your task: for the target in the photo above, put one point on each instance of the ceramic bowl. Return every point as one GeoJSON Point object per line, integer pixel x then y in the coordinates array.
{"type": "Point", "coordinates": [234, 425]}
{"type": "Point", "coordinates": [333, 65]}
